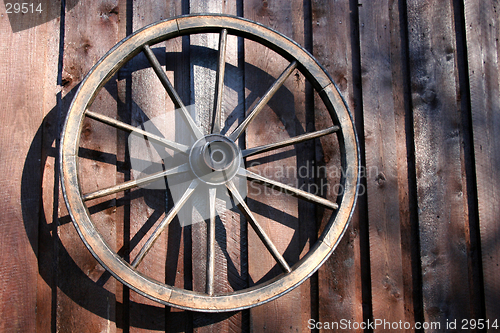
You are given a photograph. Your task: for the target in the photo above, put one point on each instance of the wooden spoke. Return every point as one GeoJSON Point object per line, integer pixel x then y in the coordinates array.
{"type": "Point", "coordinates": [137, 131]}
{"type": "Point", "coordinates": [258, 228]}
{"type": "Point", "coordinates": [163, 224]}
{"type": "Point", "coordinates": [291, 141]}
{"type": "Point", "coordinates": [263, 101]}
{"type": "Point", "coordinates": [212, 194]}
{"type": "Point", "coordinates": [136, 182]}
{"type": "Point", "coordinates": [219, 83]}
{"type": "Point", "coordinates": [171, 91]}
{"type": "Point", "coordinates": [288, 189]}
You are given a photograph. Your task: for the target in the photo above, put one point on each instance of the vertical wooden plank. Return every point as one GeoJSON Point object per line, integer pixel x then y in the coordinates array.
{"type": "Point", "coordinates": [410, 260]}
{"type": "Point", "coordinates": [86, 301]}
{"type": "Point", "coordinates": [28, 76]}
{"type": "Point", "coordinates": [230, 251]}
{"type": "Point", "coordinates": [287, 221]}
{"type": "Point", "coordinates": [482, 32]}
{"type": "Point", "coordinates": [122, 292]}
{"type": "Point", "coordinates": [473, 234]}
{"type": "Point", "coordinates": [149, 103]}
{"type": "Point", "coordinates": [335, 46]}
{"type": "Point", "coordinates": [441, 202]}
{"type": "Point", "coordinates": [203, 61]}
{"type": "Point", "coordinates": [384, 186]}
{"type": "Point", "coordinates": [179, 263]}
{"type": "Point", "coordinates": [48, 216]}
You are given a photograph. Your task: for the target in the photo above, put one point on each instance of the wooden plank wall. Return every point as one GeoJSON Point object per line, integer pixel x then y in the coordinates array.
{"type": "Point", "coordinates": [289, 226]}
{"type": "Point", "coordinates": [421, 78]}
{"type": "Point", "coordinates": [483, 100]}
{"type": "Point", "coordinates": [340, 277]}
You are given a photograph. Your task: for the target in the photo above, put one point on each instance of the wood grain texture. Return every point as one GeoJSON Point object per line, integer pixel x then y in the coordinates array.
{"type": "Point", "coordinates": [381, 153]}
{"type": "Point", "coordinates": [122, 292]}
{"type": "Point", "coordinates": [76, 311]}
{"type": "Point", "coordinates": [230, 229]}
{"type": "Point", "coordinates": [28, 74]}
{"type": "Point", "coordinates": [51, 283]}
{"type": "Point", "coordinates": [149, 106]}
{"type": "Point", "coordinates": [288, 221]}
{"type": "Point", "coordinates": [482, 30]}
{"type": "Point", "coordinates": [179, 252]}
{"type": "Point", "coordinates": [334, 45]}
{"type": "Point", "coordinates": [441, 202]}
{"type": "Point", "coordinates": [410, 263]}
{"type": "Point", "coordinates": [48, 216]}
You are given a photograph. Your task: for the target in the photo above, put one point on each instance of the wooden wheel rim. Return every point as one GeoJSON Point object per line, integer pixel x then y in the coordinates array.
{"type": "Point", "coordinates": [170, 295]}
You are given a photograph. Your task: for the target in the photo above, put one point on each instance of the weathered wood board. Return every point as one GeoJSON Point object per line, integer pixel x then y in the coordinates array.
{"type": "Point", "coordinates": [421, 81]}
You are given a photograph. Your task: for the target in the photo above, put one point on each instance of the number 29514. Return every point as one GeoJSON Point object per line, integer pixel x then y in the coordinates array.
{"type": "Point", "coordinates": [23, 8]}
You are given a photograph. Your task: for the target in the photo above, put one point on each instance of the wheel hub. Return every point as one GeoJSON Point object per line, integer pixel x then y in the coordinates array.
{"type": "Point", "coordinates": [215, 159]}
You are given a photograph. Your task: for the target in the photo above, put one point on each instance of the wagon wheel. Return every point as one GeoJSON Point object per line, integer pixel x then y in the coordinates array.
{"type": "Point", "coordinates": [216, 153]}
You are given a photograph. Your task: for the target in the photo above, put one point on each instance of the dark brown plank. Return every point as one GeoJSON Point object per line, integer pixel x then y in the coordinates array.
{"type": "Point", "coordinates": [230, 252]}
{"type": "Point", "coordinates": [28, 71]}
{"type": "Point", "coordinates": [203, 58]}
{"type": "Point", "coordinates": [178, 252]}
{"type": "Point", "coordinates": [47, 242]}
{"type": "Point", "coordinates": [442, 205]}
{"type": "Point", "coordinates": [334, 45]}
{"type": "Point", "coordinates": [179, 263]}
{"type": "Point", "coordinates": [48, 217]}
{"type": "Point", "coordinates": [149, 104]}
{"type": "Point", "coordinates": [122, 293]}
{"type": "Point", "coordinates": [381, 153]}
{"type": "Point", "coordinates": [410, 260]}
{"type": "Point", "coordinates": [288, 221]}
{"type": "Point", "coordinates": [87, 298]}
{"type": "Point", "coordinates": [482, 33]}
